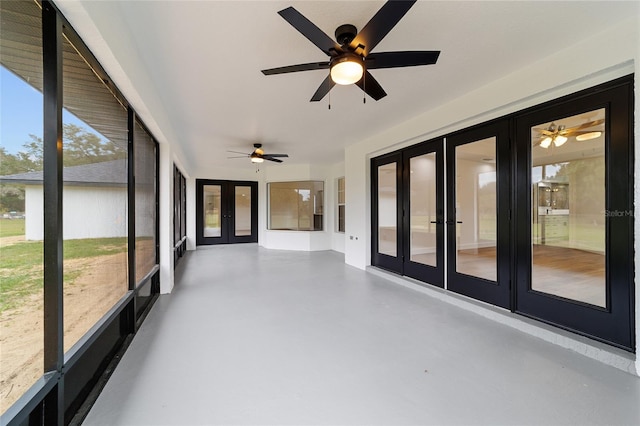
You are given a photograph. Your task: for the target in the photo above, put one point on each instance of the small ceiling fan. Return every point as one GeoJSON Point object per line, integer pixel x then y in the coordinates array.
{"type": "Point", "coordinates": [559, 134]}
{"type": "Point", "coordinates": [258, 155]}
{"type": "Point", "coordinates": [350, 58]}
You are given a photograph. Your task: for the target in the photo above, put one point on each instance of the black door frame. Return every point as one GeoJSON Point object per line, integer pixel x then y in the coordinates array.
{"type": "Point", "coordinates": [494, 292]}
{"type": "Point", "coordinates": [228, 216]}
{"type": "Point", "coordinates": [402, 263]}
{"type": "Point", "coordinates": [394, 264]}
{"type": "Point", "coordinates": [430, 274]}
{"type": "Point", "coordinates": [615, 323]}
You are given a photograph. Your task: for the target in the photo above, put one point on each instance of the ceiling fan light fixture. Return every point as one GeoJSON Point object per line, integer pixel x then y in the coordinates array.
{"type": "Point", "coordinates": [256, 158]}
{"type": "Point", "coordinates": [347, 69]}
{"type": "Point", "coordinates": [588, 136]}
{"type": "Point", "coordinates": [559, 140]}
{"type": "Point", "coordinates": [546, 142]}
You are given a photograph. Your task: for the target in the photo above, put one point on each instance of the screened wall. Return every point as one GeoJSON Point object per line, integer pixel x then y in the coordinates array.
{"type": "Point", "coordinates": [78, 219]}
{"type": "Point", "coordinates": [179, 214]}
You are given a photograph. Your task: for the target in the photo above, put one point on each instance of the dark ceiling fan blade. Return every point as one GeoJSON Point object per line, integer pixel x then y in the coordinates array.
{"type": "Point", "coordinates": [296, 68]}
{"type": "Point", "coordinates": [379, 26]}
{"type": "Point", "coordinates": [401, 59]}
{"type": "Point", "coordinates": [275, 160]}
{"type": "Point", "coordinates": [324, 88]}
{"type": "Point", "coordinates": [276, 155]}
{"type": "Point", "coordinates": [237, 152]}
{"type": "Point", "coordinates": [241, 156]}
{"type": "Point", "coordinates": [310, 31]}
{"type": "Point", "coordinates": [371, 86]}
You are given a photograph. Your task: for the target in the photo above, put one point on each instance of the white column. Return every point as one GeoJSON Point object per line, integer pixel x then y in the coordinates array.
{"type": "Point", "coordinates": [166, 219]}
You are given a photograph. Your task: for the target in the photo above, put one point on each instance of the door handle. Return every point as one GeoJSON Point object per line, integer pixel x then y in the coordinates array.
{"type": "Point", "coordinates": [453, 222]}
{"type": "Point", "coordinates": [439, 222]}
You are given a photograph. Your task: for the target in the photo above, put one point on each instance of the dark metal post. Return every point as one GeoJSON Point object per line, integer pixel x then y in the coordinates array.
{"type": "Point", "coordinates": [131, 229]}
{"type": "Point", "coordinates": [131, 194]}
{"type": "Point", "coordinates": [52, 185]}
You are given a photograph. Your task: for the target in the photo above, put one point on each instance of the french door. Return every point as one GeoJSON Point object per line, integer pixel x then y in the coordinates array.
{"type": "Point", "coordinates": [574, 212]}
{"type": "Point", "coordinates": [408, 218]}
{"type": "Point", "coordinates": [478, 213]}
{"type": "Point", "coordinates": [537, 213]}
{"type": "Point", "coordinates": [226, 212]}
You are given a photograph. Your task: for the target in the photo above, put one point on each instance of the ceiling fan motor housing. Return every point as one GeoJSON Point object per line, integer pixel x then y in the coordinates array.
{"type": "Point", "coordinates": [345, 33]}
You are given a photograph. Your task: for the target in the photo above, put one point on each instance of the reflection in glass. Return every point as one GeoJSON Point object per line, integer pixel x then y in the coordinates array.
{"type": "Point", "coordinates": [422, 182]}
{"type": "Point", "coordinates": [145, 190]}
{"type": "Point", "coordinates": [568, 216]}
{"type": "Point", "coordinates": [21, 218]}
{"type": "Point", "coordinates": [341, 204]}
{"type": "Point", "coordinates": [296, 206]}
{"type": "Point", "coordinates": [95, 141]}
{"type": "Point", "coordinates": [476, 204]}
{"type": "Point", "coordinates": [387, 210]}
{"type": "Point", "coordinates": [243, 211]}
{"type": "Point", "coordinates": [212, 210]}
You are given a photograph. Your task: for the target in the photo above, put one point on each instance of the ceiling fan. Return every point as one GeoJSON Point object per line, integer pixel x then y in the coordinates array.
{"type": "Point", "coordinates": [350, 58]}
{"type": "Point", "coordinates": [559, 134]}
{"type": "Point", "coordinates": [258, 155]}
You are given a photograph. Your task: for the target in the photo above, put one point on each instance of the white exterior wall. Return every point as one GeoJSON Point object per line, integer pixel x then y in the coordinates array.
{"type": "Point", "coordinates": [563, 73]}
{"type": "Point", "coordinates": [89, 212]}
{"type": "Point", "coordinates": [33, 213]}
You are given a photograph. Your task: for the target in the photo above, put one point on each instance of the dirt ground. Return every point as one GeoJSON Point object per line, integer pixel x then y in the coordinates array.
{"type": "Point", "coordinates": [101, 283]}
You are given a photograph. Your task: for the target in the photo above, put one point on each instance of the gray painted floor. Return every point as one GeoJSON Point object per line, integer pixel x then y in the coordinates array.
{"type": "Point", "coordinates": [254, 336]}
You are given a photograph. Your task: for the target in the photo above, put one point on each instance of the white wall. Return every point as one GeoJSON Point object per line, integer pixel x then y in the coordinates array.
{"type": "Point", "coordinates": [89, 212]}
{"type": "Point", "coordinates": [166, 218]}
{"type": "Point", "coordinates": [605, 56]}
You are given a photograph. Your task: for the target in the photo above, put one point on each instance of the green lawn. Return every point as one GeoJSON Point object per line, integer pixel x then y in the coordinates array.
{"type": "Point", "coordinates": [11, 227]}
{"type": "Point", "coordinates": [21, 271]}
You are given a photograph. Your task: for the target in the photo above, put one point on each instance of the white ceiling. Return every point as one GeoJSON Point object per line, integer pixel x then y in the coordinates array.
{"type": "Point", "coordinates": [196, 66]}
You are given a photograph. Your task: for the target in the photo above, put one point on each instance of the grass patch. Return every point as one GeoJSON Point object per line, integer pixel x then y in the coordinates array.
{"type": "Point", "coordinates": [11, 227]}
{"type": "Point", "coordinates": [21, 269]}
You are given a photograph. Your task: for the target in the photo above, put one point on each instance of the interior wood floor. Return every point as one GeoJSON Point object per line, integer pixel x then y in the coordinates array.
{"type": "Point", "coordinates": [570, 273]}
{"type": "Point", "coordinates": [565, 272]}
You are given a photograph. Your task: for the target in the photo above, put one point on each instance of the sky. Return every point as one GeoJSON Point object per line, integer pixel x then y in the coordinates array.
{"type": "Point", "coordinates": [21, 112]}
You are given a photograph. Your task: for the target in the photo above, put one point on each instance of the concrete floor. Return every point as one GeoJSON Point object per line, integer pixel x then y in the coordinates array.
{"type": "Point", "coordinates": [255, 336]}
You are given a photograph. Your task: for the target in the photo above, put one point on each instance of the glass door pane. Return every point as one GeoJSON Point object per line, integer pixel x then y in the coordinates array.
{"type": "Point", "coordinates": [242, 211]}
{"type": "Point", "coordinates": [212, 210]}
{"type": "Point", "coordinates": [387, 209]}
{"type": "Point", "coordinates": [422, 210]}
{"type": "Point", "coordinates": [475, 207]}
{"type": "Point", "coordinates": [568, 208]}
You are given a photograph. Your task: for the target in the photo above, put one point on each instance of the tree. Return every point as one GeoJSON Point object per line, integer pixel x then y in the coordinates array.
{"type": "Point", "coordinates": [80, 146]}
